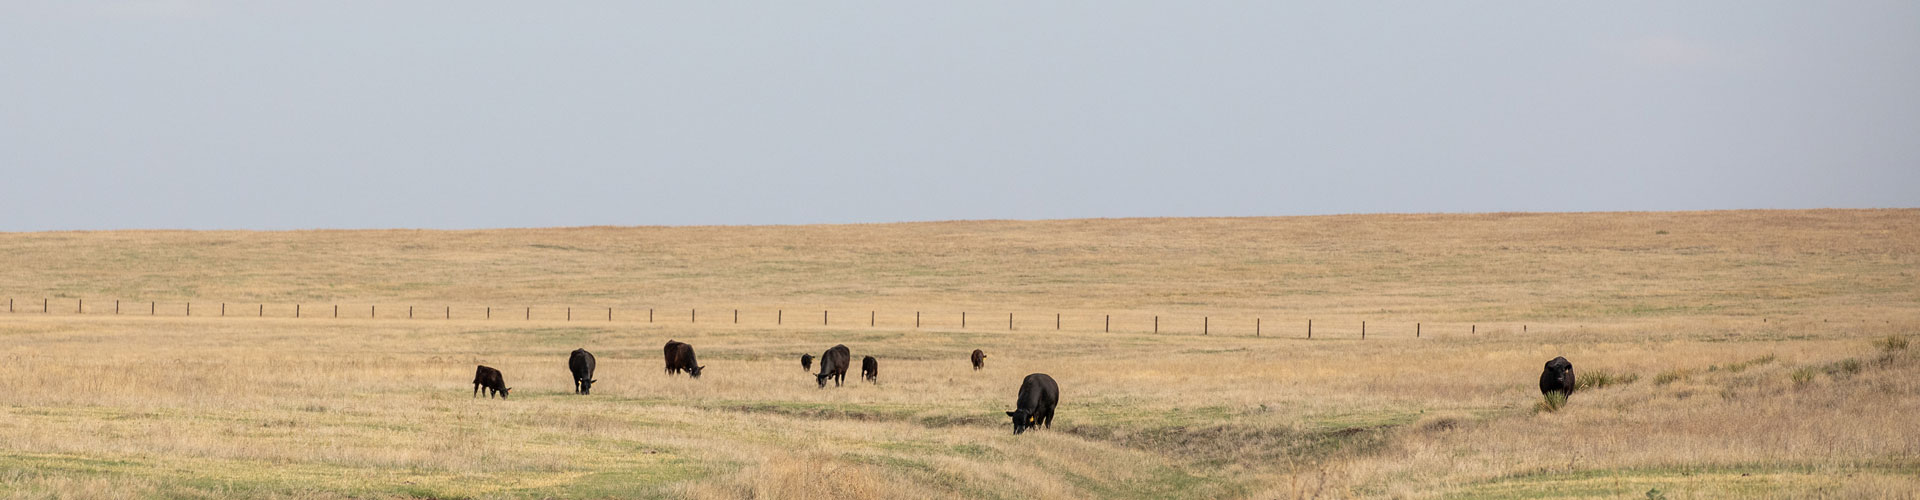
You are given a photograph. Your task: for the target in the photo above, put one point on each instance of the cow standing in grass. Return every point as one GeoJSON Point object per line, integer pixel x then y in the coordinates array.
{"type": "Point", "coordinates": [806, 362]}
{"type": "Point", "coordinates": [1038, 395]}
{"type": "Point", "coordinates": [680, 358]}
{"type": "Point", "coordinates": [581, 364]}
{"type": "Point", "coordinates": [870, 369]}
{"type": "Point", "coordinates": [491, 379]}
{"type": "Point", "coordinates": [1558, 377]}
{"type": "Point", "coordinates": [833, 364]}
{"type": "Point", "coordinates": [979, 359]}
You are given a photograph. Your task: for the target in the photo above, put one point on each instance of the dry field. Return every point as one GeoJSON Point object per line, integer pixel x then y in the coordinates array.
{"type": "Point", "coordinates": [1749, 354]}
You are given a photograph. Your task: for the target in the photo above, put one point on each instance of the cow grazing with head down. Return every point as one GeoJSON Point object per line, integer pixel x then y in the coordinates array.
{"type": "Point", "coordinates": [806, 362]}
{"type": "Point", "coordinates": [979, 359]}
{"type": "Point", "coordinates": [833, 365]}
{"type": "Point", "coordinates": [491, 379]}
{"type": "Point", "coordinates": [680, 358]}
{"type": "Point", "coordinates": [581, 364]}
{"type": "Point", "coordinates": [1558, 377]}
{"type": "Point", "coordinates": [1038, 395]}
{"type": "Point", "coordinates": [870, 369]}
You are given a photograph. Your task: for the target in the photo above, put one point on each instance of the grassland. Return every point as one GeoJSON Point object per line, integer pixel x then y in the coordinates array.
{"type": "Point", "coordinates": [1768, 348]}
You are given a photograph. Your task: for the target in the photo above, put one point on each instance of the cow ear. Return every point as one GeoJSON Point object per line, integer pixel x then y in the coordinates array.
{"type": "Point", "coordinates": [1012, 414]}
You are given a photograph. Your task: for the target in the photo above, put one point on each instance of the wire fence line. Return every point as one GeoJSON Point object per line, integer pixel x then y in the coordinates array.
{"type": "Point", "coordinates": [930, 319]}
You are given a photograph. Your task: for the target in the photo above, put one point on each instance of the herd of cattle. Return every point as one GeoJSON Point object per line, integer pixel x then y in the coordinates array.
{"type": "Point", "coordinates": [1038, 393]}
{"type": "Point", "coordinates": [1033, 408]}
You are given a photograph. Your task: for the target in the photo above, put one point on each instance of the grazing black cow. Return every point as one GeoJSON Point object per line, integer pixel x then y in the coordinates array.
{"type": "Point", "coordinates": [581, 363]}
{"type": "Point", "coordinates": [833, 364]}
{"type": "Point", "coordinates": [1558, 377]}
{"type": "Point", "coordinates": [806, 362]}
{"type": "Point", "coordinates": [1038, 394]}
{"type": "Point", "coordinates": [870, 369]}
{"type": "Point", "coordinates": [490, 378]}
{"type": "Point", "coordinates": [979, 359]}
{"type": "Point", "coordinates": [680, 358]}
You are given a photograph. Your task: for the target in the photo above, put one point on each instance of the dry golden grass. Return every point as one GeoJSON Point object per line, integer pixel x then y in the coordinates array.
{"type": "Point", "coordinates": [97, 406]}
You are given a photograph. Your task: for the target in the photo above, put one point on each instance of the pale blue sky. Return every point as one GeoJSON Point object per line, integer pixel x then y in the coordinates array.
{"type": "Point", "coordinates": [344, 114]}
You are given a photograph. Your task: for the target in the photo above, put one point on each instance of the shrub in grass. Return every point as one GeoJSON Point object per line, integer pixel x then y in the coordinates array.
{"type": "Point", "coordinates": [1598, 379]}
{"type": "Point", "coordinates": [1553, 402]}
{"type": "Point", "coordinates": [1893, 342]}
{"type": "Point", "coordinates": [1804, 375]}
{"type": "Point", "coordinates": [1843, 368]}
{"type": "Point", "coordinates": [1671, 376]}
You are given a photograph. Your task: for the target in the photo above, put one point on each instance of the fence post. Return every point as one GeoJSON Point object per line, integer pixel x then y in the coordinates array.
{"type": "Point", "coordinates": [82, 308]}
{"type": "Point", "coordinates": [693, 315]}
{"type": "Point", "coordinates": [649, 315]}
{"type": "Point", "coordinates": [823, 317]}
{"type": "Point", "coordinates": [1523, 328]}
{"type": "Point", "coordinates": [1009, 322]}
{"type": "Point", "coordinates": [1156, 324]}
{"type": "Point", "coordinates": [916, 319]}
{"type": "Point", "coordinates": [489, 312]}
{"type": "Point", "coordinates": [1416, 330]}
{"type": "Point", "coordinates": [1363, 330]}
{"type": "Point", "coordinates": [963, 319]}
{"type": "Point", "coordinates": [1475, 330]}
{"type": "Point", "coordinates": [1309, 329]}
{"type": "Point", "coordinates": [780, 317]}
{"type": "Point", "coordinates": [736, 316]}
{"type": "Point", "coordinates": [296, 310]}
{"type": "Point", "coordinates": [373, 312]}
{"type": "Point", "coordinates": [336, 310]}
{"type": "Point", "coordinates": [529, 313]}
{"type": "Point", "coordinates": [409, 312]}
{"type": "Point", "coordinates": [1206, 325]}
{"type": "Point", "coordinates": [189, 308]}
{"type": "Point", "coordinates": [1056, 321]}
{"type": "Point", "coordinates": [1256, 327]}
{"type": "Point", "coordinates": [1109, 328]}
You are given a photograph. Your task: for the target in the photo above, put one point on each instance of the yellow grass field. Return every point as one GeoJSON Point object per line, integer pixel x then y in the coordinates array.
{"type": "Point", "coordinates": [1743, 354]}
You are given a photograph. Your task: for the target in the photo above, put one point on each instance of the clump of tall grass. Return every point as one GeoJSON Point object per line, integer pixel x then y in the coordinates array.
{"type": "Point", "coordinates": [1671, 376]}
{"type": "Point", "coordinates": [1893, 342]}
{"type": "Point", "coordinates": [1600, 379]}
{"type": "Point", "coordinates": [1553, 402]}
{"type": "Point", "coordinates": [1842, 368]}
{"type": "Point", "coordinates": [1743, 365]}
{"type": "Point", "coordinates": [1804, 375]}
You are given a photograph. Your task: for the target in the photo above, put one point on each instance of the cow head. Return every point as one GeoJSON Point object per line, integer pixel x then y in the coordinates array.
{"type": "Point", "coordinates": [695, 371]}
{"type": "Point", "coordinates": [820, 379]}
{"type": "Point", "coordinates": [586, 386]}
{"type": "Point", "coordinates": [1022, 419]}
{"type": "Point", "coordinates": [503, 392]}
{"type": "Point", "coordinates": [1561, 370]}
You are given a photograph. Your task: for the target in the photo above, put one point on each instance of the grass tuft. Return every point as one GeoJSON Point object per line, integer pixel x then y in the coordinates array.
{"type": "Point", "coordinates": [1552, 402]}
{"type": "Point", "coordinates": [1671, 376]}
{"type": "Point", "coordinates": [1600, 379]}
{"type": "Point", "coordinates": [1893, 342]}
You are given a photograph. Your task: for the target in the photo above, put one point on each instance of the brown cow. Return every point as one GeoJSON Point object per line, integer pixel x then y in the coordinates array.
{"type": "Point", "coordinates": [979, 359]}
{"type": "Point", "coordinates": [680, 358]}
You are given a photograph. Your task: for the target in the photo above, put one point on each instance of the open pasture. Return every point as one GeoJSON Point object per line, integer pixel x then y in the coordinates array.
{"type": "Point", "coordinates": [1748, 354]}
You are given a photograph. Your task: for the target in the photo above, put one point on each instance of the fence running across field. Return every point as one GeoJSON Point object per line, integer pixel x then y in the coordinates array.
{"type": "Point", "coordinates": [1190, 324]}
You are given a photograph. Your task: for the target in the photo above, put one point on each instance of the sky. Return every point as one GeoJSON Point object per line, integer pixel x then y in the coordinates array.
{"type": "Point", "coordinates": [193, 114]}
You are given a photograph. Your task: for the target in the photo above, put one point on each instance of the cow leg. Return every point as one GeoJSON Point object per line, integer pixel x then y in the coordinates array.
{"type": "Point", "coordinates": [476, 391]}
